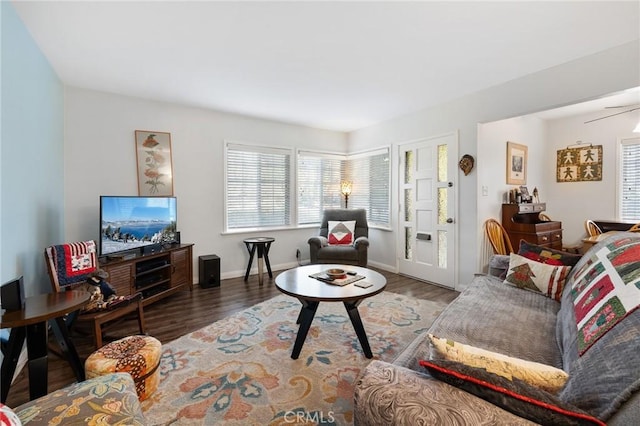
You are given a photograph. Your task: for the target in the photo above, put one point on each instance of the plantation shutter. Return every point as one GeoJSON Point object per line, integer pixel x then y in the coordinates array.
{"type": "Point", "coordinates": [370, 174]}
{"type": "Point", "coordinates": [630, 191]}
{"type": "Point", "coordinates": [258, 182]}
{"type": "Point", "coordinates": [319, 177]}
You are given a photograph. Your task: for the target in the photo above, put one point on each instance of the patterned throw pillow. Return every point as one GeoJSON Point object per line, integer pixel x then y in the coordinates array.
{"type": "Point", "coordinates": [606, 289]}
{"type": "Point", "coordinates": [535, 276]}
{"type": "Point", "coordinates": [341, 233]}
{"type": "Point", "coordinates": [514, 396]}
{"type": "Point", "coordinates": [8, 417]}
{"type": "Point", "coordinates": [547, 255]}
{"type": "Point", "coordinates": [543, 376]}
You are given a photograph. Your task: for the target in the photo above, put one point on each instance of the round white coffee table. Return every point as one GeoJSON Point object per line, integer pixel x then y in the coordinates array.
{"type": "Point", "coordinates": [311, 291]}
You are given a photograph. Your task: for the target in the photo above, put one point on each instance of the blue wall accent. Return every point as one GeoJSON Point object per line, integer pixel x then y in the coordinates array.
{"type": "Point", "coordinates": [32, 155]}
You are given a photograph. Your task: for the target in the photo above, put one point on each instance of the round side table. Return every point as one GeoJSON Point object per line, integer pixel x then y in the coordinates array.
{"type": "Point", "coordinates": [262, 246]}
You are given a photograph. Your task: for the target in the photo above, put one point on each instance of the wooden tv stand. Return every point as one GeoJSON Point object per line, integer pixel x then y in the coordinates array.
{"type": "Point", "coordinates": [156, 275]}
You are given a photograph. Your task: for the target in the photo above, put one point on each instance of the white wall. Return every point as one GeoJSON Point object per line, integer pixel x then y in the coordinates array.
{"type": "Point", "coordinates": [574, 202]}
{"type": "Point", "coordinates": [492, 154]}
{"type": "Point", "coordinates": [100, 159]}
{"type": "Point", "coordinates": [100, 155]}
{"type": "Point", "coordinates": [593, 76]}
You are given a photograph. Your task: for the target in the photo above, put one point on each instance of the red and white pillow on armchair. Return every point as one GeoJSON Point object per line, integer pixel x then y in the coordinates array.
{"type": "Point", "coordinates": [341, 233]}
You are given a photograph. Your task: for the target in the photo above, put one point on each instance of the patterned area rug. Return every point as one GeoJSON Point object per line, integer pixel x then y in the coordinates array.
{"type": "Point", "coordinates": [239, 371]}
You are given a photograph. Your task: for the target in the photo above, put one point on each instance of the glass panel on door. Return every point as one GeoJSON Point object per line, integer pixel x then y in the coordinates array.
{"type": "Point", "coordinates": [408, 243]}
{"type": "Point", "coordinates": [442, 206]}
{"type": "Point", "coordinates": [442, 163]}
{"type": "Point", "coordinates": [442, 249]}
{"type": "Point", "coordinates": [408, 167]}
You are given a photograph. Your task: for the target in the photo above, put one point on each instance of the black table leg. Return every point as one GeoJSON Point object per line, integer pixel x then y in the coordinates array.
{"type": "Point", "coordinates": [299, 319]}
{"type": "Point", "coordinates": [354, 315]}
{"type": "Point", "coordinates": [251, 248]}
{"type": "Point", "coordinates": [38, 361]}
{"type": "Point", "coordinates": [305, 318]}
{"type": "Point", "coordinates": [267, 246]}
{"type": "Point", "coordinates": [260, 261]}
{"type": "Point", "coordinates": [61, 333]}
{"type": "Point", "coordinates": [10, 360]}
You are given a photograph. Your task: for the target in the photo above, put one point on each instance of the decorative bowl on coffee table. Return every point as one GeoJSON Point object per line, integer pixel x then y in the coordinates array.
{"type": "Point", "coordinates": [336, 273]}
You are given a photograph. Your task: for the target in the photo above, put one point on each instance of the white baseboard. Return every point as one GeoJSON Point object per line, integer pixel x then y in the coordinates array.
{"type": "Point", "coordinates": [384, 267]}
{"type": "Point", "coordinates": [254, 270]}
{"type": "Point", "coordinates": [289, 265]}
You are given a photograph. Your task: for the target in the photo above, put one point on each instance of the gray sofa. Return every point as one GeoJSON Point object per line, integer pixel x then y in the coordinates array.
{"type": "Point", "coordinates": [604, 382]}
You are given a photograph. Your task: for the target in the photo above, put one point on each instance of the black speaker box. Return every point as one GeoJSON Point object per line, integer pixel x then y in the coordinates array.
{"type": "Point", "coordinates": [12, 294]}
{"type": "Point", "coordinates": [209, 268]}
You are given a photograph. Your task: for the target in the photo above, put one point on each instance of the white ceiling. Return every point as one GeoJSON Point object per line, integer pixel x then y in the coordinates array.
{"type": "Point", "coordinates": [331, 65]}
{"type": "Point", "coordinates": [616, 103]}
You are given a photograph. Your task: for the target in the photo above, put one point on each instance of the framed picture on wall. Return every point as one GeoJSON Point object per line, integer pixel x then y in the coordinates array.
{"type": "Point", "coordinates": [516, 164]}
{"type": "Point", "coordinates": [579, 163]}
{"type": "Point", "coordinates": [155, 168]}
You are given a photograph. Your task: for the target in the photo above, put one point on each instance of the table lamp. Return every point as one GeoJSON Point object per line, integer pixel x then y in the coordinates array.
{"type": "Point", "coordinates": [345, 189]}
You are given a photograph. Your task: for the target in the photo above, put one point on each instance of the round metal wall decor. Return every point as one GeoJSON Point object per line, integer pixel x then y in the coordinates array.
{"type": "Point", "coordinates": [466, 164]}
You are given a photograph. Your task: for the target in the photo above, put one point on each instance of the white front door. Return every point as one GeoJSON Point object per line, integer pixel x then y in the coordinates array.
{"type": "Point", "coordinates": [427, 225]}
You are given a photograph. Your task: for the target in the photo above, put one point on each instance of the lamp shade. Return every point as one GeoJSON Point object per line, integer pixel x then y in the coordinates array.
{"type": "Point", "coordinates": [345, 187]}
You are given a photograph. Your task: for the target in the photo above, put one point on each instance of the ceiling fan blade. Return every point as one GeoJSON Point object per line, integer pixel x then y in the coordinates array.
{"type": "Point", "coordinates": [612, 115]}
{"type": "Point", "coordinates": [621, 106]}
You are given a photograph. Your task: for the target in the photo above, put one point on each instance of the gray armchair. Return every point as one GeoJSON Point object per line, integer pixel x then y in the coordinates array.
{"type": "Point", "coordinates": [352, 254]}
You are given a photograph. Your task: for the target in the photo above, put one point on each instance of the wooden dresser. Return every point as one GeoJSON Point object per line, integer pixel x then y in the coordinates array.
{"type": "Point", "coordinates": [522, 223]}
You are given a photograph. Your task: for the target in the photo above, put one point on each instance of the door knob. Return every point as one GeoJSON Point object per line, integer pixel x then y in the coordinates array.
{"type": "Point", "coordinates": [450, 220]}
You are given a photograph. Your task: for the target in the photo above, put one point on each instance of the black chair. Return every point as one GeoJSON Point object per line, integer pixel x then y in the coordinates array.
{"type": "Point", "coordinates": [354, 253]}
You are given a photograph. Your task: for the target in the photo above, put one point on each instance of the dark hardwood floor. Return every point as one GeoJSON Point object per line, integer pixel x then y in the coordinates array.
{"type": "Point", "coordinates": [187, 311]}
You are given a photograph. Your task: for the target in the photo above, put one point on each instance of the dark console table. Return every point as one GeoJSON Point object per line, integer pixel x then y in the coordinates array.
{"type": "Point", "coordinates": [30, 323]}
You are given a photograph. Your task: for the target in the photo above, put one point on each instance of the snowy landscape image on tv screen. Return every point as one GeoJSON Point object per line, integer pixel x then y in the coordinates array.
{"type": "Point", "coordinates": [132, 222]}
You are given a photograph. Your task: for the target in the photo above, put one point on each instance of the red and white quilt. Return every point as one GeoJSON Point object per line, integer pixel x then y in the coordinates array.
{"type": "Point", "coordinates": [606, 289]}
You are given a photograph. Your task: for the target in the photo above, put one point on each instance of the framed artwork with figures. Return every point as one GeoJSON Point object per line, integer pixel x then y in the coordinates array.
{"type": "Point", "coordinates": [155, 168]}
{"type": "Point", "coordinates": [516, 164]}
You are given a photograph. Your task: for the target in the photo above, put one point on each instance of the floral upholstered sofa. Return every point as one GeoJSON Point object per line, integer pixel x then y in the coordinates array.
{"type": "Point", "coordinates": [104, 400]}
{"type": "Point", "coordinates": [495, 354]}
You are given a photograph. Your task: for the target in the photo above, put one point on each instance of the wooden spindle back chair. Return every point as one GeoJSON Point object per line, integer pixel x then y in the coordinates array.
{"type": "Point", "coordinates": [498, 237]}
{"type": "Point", "coordinates": [591, 228]}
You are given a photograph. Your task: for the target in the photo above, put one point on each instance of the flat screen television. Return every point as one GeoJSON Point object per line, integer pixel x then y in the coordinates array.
{"type": "Point", "coordinates": [129, 222]}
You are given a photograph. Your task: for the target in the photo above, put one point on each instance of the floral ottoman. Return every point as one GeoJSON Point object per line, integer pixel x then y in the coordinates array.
{"type": "Point", "coordinates": [137, 355]}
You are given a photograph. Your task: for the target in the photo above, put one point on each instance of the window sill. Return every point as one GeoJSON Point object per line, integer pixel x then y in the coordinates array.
{"type": "Point", "coordinates": [263, 230]}
{"type": "Point", "coordinates": [289, 228]}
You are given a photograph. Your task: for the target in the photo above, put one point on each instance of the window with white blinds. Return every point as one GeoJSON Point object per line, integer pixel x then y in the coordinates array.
{"type": "Point", "coordinates": [258, 186]}
{"type": "Point", "coordinates": [319, 177]}
{"type": "Point", "coordinates": [630, 180]}
{"type": "Point", "coordinates": [370, 175]}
